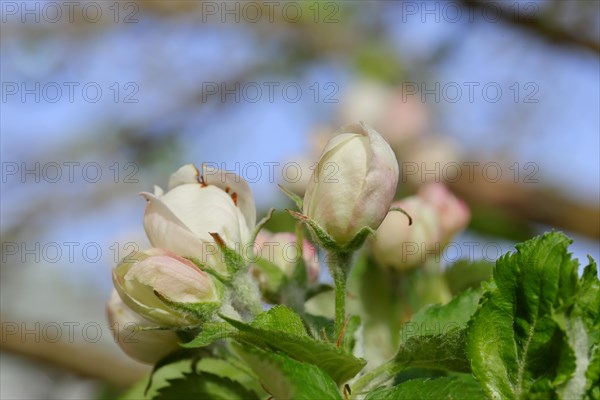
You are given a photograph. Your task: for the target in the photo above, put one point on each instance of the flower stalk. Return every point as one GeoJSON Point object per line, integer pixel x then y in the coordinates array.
{"type": "Point", "coordinates": [339, 265]}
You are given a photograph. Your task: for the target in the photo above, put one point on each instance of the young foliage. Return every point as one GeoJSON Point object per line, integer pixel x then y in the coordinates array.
{"type": "Point", "coordinates": [516, 337]}
{"type": "Point", "coordinates": [282, 329]}
{"type": "Point", "coordinates": [204, 386]}
{"type": "Point", "coordinates": [436, 336]}
{"type": "Point", "coordinates": [285, 378]}
{"type": "Point", "coordinates": [457, 387]}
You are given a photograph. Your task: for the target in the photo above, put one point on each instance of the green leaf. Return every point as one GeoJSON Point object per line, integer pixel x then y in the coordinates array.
{"type": "Point", "coordinates": [285, 378]}
{"type": "Point", "coordinates": [581, 327]}
{"type": "Point", "coordinates": [465, 274]}
{"type": "Point", "coordinates": [170, 358]}
{"type": "Point", "coordinates": [443, 351]}
{"type": "Point", "coordinates": [458, 387]}
{"type": "Point", "coordinates": [282, 329]}
{"type": "Point", "coordinates": [436, 336]}
{"type": "Point", "coordinates": [204, 386]}
{"type": "Point", "coordinates": [159, 380]}
{"type": "Point", "coordinates": [441, 318]}
{"type": "Point", "coordinates": [210, 332]}
{"type": "Point", "coordinates": [513, 339]}
{"type": "Point", "coordinates": [233, 368]}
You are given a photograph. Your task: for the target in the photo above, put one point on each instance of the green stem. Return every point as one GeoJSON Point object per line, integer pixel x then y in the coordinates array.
{"type": "Point", "coordinates": [245, 296]}
{"type": "Point", "coordinates": [339, 264]}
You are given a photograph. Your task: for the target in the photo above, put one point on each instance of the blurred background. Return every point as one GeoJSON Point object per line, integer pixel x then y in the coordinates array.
{"type": "Point", "coordinates": [102, 100]}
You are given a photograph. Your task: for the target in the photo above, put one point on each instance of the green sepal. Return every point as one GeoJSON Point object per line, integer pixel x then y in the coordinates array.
{"type": "Point", "coordinates": [209, 270]}
{"type": "Point", "coordinates": [261, 224]}
{"type": "Point", "coordinates": [327, 242]}
{"type": "Point", "coordinates": [200, 311]}
{"type": "Point", "coordinates": [234, 261]}
{"type": "Point", "coordinates": [293, 196]}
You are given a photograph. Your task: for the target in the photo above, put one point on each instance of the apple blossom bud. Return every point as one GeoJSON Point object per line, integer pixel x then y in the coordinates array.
{"type": "Point", "coordinates": [399, 116]}
{"type": "Point", "coordinates": [281, 249]}
{"type": "Point", "coordinates": [166, 289]}
{"type": "Point", "coordinates": [353, 185]}
{"type": "Point", "coordinates": [128, 328]}
{"type": "Point", "coordinates": [196, 205]}
{"type": "Point", "coordinates": [454, 213]}
{"type": "Point", "coordinates": [403, 246]}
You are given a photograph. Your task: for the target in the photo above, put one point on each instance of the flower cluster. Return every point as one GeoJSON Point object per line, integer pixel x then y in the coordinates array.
{"type": "Point", "coordinates": [196, 272]}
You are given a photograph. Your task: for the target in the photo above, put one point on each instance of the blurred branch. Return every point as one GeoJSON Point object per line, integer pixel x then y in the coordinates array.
{"type": "Point", "coordinates": [537, 205]}
{"type": "Point", "coordinates": [544, 26]}
{"type": "Point", "coordinates": [80, 358]}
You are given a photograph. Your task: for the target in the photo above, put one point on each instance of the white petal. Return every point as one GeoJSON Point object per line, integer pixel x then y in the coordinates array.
{"type": "Point", "coordinates": [204, 210]}
{"type": "Point", "coordinates": [184, 175]}
{"type": "Point", "coordinates": [165, 230]}
{"type": "Point", "coordinates": [232, 183]}
{"type": "Point", "coordinates": [317, 176]}
{"type": "Point", "coordinates": [158, 191]}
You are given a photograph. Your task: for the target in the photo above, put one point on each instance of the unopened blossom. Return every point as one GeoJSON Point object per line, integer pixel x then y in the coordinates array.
{"type": "Point", "coordinates": [403, 246]}
{"type": "Point", "coordinates": [354, 183]}
{"type": "Point", "coordinates": [166, 289]}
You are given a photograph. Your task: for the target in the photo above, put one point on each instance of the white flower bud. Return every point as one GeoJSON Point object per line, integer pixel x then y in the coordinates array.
{"type": "Point", "coordinates": [353, 184]}
{"type": "Point", "coordinates": [165, 288]}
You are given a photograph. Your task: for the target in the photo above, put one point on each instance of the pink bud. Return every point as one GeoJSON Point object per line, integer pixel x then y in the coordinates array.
{"type": "Point", "coordinates": [404, 246]}
{"type": "Point", "coordinates": [454, 213]}
{"type": "Point", "coordinates": [281, 249]}
{"type": "Point", "coordinates": [159, 285]}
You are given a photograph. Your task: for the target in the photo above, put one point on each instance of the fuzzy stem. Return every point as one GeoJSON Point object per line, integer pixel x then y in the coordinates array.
{"type": "Point", "coordinates": [245, 296]}
{"type": "Point", "coordinates": [339, 264]}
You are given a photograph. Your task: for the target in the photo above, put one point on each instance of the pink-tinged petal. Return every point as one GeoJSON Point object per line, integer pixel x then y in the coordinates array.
{"type": "Point", "coordinates": [165, 230]}
{"type": "Point", "coordinates": [147, 346]}
{"type": "Point", "coordinates": [174, 280]}
{"type": "Point", "coordinates": [184, 175]}
{"type": "Point", "coordinates": [143, 301]}
{"type": "Point", "coordinates": [236, 187]}
{"type": "Point", "coordinates": [454, 213]}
